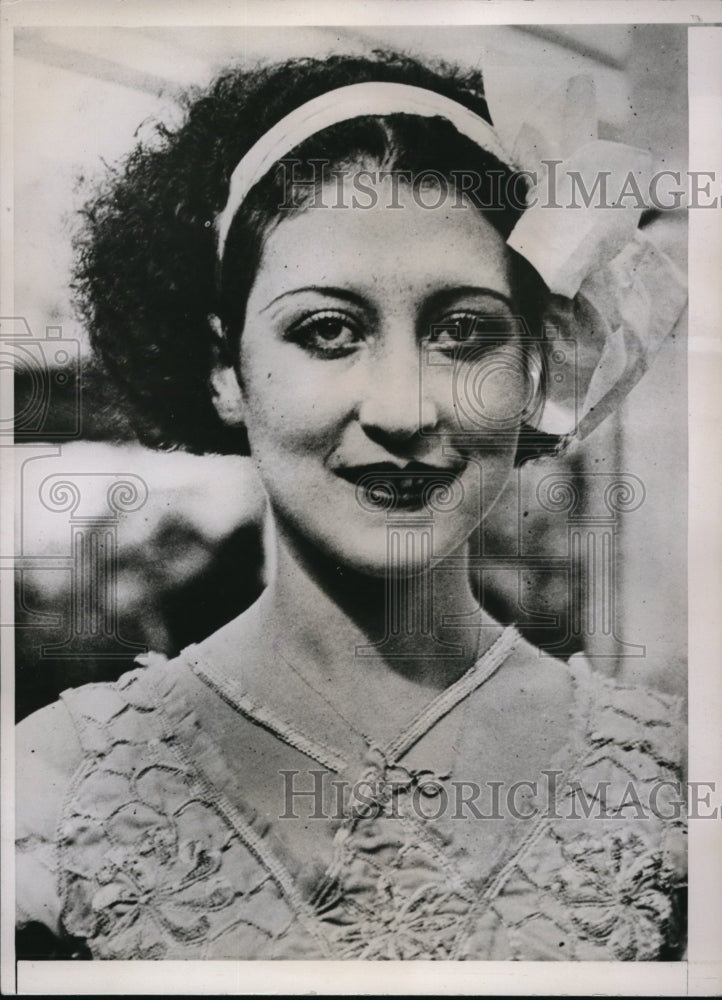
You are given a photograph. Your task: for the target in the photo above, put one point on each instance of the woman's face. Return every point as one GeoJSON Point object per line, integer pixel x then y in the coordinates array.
{"type": "Point", "coordinates": [379, 356]}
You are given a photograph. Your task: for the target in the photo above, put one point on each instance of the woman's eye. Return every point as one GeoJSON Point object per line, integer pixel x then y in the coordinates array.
{"type": "Point", "coordinates": [328, 334]}
{"type": "Point", "coordinates": [472, 330]}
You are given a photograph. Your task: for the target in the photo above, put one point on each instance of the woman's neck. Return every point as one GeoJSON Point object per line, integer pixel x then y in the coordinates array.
{"type": "Point", "coordinates": [330, 620]}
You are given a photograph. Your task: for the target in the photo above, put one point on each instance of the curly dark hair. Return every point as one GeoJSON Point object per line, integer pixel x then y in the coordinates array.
{"type": "Point", "coordinates": [147, 277]}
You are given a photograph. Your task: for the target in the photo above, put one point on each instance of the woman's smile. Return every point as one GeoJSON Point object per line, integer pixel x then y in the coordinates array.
{"type": "Point", "coordinates": [371, 336]}
{"type": "Point", "coordinates": [396, 488]}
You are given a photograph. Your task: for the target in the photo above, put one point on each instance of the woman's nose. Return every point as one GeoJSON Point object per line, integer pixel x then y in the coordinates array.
{"type": "Point", "coordinates": [396, 404]}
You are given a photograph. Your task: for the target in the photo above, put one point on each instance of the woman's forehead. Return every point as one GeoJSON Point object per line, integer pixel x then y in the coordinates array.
{"type": "Point", "coordinates": [367, 241]}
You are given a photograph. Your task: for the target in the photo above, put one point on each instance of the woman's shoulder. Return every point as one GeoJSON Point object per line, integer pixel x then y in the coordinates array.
{"type": "Point", "coordinates": [47, 753]}
{"type": "Point", "coordinates": [638, 718]}
{"type": "Point", "coordinates": [596, 702]}
{"type": "Point", "coordinates": [627, 759]}
{"type": "Point", "coordinates": [52, 743]}
{"type": "Point", "coordinates": [70, 758]}
{"type": "Point", "coordinates": [56, 741]}
{"type": "Point", "coordinates": [608, 823]}
{"type": "Point", "coordinates": [608, 725]}
{"type": "Point", "coordinates": [136, 851]}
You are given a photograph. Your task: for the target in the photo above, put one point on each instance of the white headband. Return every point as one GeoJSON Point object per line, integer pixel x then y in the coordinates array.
{"type": "Point", "coordinates": [354, 101]}
{"type": "Point", "coordinates": [628, 291]}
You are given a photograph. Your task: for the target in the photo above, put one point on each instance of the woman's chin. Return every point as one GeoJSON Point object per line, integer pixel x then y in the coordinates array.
{"type": "Point", "coordinates": [392, 551]}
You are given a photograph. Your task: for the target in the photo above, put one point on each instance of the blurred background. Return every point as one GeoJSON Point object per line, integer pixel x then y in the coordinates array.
{"type": "Point", "coordinates": [120, 549]}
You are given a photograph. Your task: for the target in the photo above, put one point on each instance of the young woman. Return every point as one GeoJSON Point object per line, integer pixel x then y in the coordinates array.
{"type": "Point", "coordinates": [318, 266]}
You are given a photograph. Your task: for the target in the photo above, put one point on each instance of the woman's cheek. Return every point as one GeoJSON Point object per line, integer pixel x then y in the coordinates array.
{"type": "Point", "coordinates": [289, 413]}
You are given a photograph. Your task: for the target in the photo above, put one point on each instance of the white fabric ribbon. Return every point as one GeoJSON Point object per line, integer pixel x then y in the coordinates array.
{"type": "Point", "coordinates": [608, 336]}
{"type": "Point", "coordinates": [615, 296]}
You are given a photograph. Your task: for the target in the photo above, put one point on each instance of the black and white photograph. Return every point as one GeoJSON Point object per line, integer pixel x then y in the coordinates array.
{"type": "Point", "coordinates": [354, 607]}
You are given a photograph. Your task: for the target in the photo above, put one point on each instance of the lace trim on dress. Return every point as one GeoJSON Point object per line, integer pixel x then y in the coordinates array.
{"type": "Point", "coordinates": [232, 692]}
{"type": "Point", "coordinates": [484, 668]}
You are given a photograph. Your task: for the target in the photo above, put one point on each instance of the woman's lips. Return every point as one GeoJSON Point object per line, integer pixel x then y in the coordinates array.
{"type": "Point", "coordinates": [385, 486]}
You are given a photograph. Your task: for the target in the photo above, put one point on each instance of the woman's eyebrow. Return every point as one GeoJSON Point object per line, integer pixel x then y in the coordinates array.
{"type": "Point", "coordinates": [446, 296]}
{"type": "Point", "coordinates": [332, 291]}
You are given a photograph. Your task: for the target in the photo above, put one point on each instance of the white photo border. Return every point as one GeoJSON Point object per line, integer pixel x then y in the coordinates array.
{"type": "Point", "coordinates": [701, 974]}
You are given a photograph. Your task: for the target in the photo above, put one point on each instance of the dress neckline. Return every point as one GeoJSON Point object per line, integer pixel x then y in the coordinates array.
{"type": "Point", "coordinates": [230, 688]}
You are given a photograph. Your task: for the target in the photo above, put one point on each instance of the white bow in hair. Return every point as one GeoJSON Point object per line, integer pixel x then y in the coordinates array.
{"type": "Point", "coordinates": [616, 296]}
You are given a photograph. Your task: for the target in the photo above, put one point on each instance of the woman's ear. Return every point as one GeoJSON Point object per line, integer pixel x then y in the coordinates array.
{"type": "Point", "coordinates": [226, 391]}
